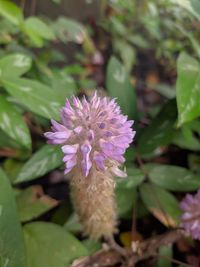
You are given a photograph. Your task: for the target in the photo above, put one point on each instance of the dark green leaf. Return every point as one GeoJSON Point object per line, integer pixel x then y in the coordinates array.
{"type": "Point", "coordinates": [185, 137]}
{"type": "Point", "coordinates": [32, 203]}
{"type": "Point", "coordinates": [174, 178]}
{"type": "Point", "coordinates": [161, 130]}
{"type": "Point", "coordinates": [134, 178]}
{"type": "Point", "coordinates": [162, 204]}
{"type": "Point", "coordinates": [118, 85]}
{"type": "Point", "coordinates": [44, 160]}
{"type": "Point", "coordinates": [11, 123]}
{"type": "Point", "coordinates": [165, 254]}
{"type": "Point", "coordinates": [125, 197]}
{"type": "Point", "coordinates": [14, 65]}
{"type": "Point", "coordinates": [49, 245]}
{"type": "Point", "coordinates": [37, 97]}
{"type": "Point", "coordinates": [12, 253]}
{"type": "Point", "coordinates": [92, 245]}
{"type": "Point", "coordinates": [188, 88]}
{"type": "Point", "coordinates": [73, 225]}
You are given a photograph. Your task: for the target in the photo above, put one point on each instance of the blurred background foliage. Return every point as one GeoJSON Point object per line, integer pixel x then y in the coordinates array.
{"type": "Point", "coordinates": [147, 54]}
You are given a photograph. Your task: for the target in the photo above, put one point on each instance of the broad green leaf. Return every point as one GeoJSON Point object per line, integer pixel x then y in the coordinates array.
{"type": "Point", "coordinates": [194, 162]}
{"type": "Point", "coordinates": [63, 83]}
{"type": "Point", "coordinates": [12, 123]}
{"type": "Point", "coordinates": [14, 65]}
{"type": "Point", "coordinates": [162, 204]}
{"type": "Point", "coordinates": [165, 253]}
{"type": "Point", "coordinates": [12, 251]}
{"type": "Point", "coordinates": [37, 97]}
{"type": "Point", "coordinates": [126, 52]}
{"type": "Point", "coordinates": [37, 30]}
{"type": "Point", "coordinates": [174, 178]}
{"type": "Point", "coordinates": [126, 191]}
{"type": "Point", "coordinates": [191, 6]}
{"type": "Point", "coordinates": [188, 88]}
{"type": "Point", "coordinates": [134, 177]}
{"type": "Point", "coordinates": [161, 130]}
{"type": "Point", "coordinates": [50, 245]}
{"type": "Point", "coordinates": [11, 11]}
{"type": "Point", "coordinates": [44, 160]}
{"type": "Point", "coordinates": [92, 245]}
{"type": "Point", "coordinates": [73, 225]}
{"type": "Point", "coordinates": [126, 198]}
{"type": "Point", "coordinates": [12, 168]}
{"type": "Point", "coordinates": [185, 137]}
{"type": "Point", "coordinates": [32, 202]}
{"type": "Point", "coordinates": [69, 30]}
{"type": "Point", "coordinates": [118, 85]}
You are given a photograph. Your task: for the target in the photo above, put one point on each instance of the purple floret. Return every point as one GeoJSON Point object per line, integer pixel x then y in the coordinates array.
{"type": "Point", "coordinates": [190, 219]}
{"type": "Point", "coordinates": [92, 134]}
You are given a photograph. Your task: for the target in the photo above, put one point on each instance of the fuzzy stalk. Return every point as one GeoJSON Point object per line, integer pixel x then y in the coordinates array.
{"type": "Point", "coordinates": [94, 202]}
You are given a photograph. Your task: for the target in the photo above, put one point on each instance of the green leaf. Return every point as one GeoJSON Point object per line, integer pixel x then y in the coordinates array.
{"type": "Point", "coordinates": [134, 177]}
{"type": "Point", "coordinates": [126, 191]}
{"type": "Point", "coordinates": [191, 6]}
{"type": "Point", "coordinates": [11, 12]}
{"type": "Point", "coordinates": [186, 138]}
{"type": "Point", "coordinates": [162, 204]}
{"type": "Point", "coordinates": [44, 160]}
{"type": "Point", "coordinates": [125, 197]}
{"type": "Point", "coordinates": [73, 224]}
{"type": "Point", "coordinates": [161, 130]}
{"type": "Point", "coordinates": [49, 245]}
{"type": "Point", "coordinates": [118, 85]}
{"type": "Point", "coordinates": [37, 97]}
{"type": "Point", "coordinates": [14, 65]}
{"type": "Point", "coordinates": [69, 30]}
{"type": "Point", "coordinates": [37, 30]}
{"type": "Point", "coordinates": [12, 251]}
{"type": "Point", "coordinates": [32, 203]}
{"type": "Point", "coordinates": [12, 124]}
{"type": "Point", "coordinates": [92, 245]}
{"type": "Point", "coordinates": [165, 253]}
{"type": "Point", "coordinates": [188, 88]}
{"type": "Point", "coordinates": [174, 178]}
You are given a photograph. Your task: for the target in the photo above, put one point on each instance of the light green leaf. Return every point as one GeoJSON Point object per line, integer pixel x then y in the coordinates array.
{"type": "Point", "coordinates": [12, 251]}
{"type": "Point", "coordinates": [44, 160]}
{"type": "Point", "coordinates": [11, 12]}
{"type": "Point", "coordinates": [31, 203]}
{"type": "Point", "coordinates": [162, 204]}
{"type": "Point", "coordinates": [12, 124]}
{"type": "Point", "coordinates": [49, 245]}
{"type": "Point", "coordinates": [37, 97]}
{"type": "Point", "coordinates": [188, 88]}
{"type": "Point", "coordinates": [191, 6]}
{"type": "Point", "coordinates": [14, 65]}
{"type": "Point", "coordinates": [69, 30]}
{"type": "Point", "coordinates": [174, 178]}
{"type": "Point", "coordinates": [37, 30]}
{"type": "Point", "coordinates": [118, 85]}
{"type": "Point", "coordinates": [161, 130]}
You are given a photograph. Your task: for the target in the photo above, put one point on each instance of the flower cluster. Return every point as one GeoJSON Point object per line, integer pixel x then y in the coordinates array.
{"type": "Point", "coordinates": [92, 134]}
{"type": "Point", "coordinates": [190, 219]}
